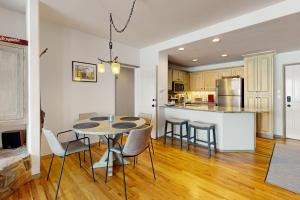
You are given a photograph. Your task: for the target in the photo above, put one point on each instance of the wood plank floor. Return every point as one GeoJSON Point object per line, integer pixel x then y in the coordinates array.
{"type": "Point", "coordinates": [180, 175]}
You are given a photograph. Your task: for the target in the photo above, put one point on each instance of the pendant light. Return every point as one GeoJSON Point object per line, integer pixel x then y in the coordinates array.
{"type": "Point", "coordinates": [113, 62]}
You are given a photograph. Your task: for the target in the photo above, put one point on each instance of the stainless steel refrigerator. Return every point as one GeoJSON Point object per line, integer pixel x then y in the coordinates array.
{"type": "Point", "coordinates": [230, 92]}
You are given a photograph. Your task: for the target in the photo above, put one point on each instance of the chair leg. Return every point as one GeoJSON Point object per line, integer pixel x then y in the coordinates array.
{"type": "Point", "coordinates": [50, 166]}
{"type": "Point", "coordinates": [180, 136]}
{"type": "Point", "coordinates": [187, 130]}
{"type": "Point", "coordinates": [84, 151]}
{"type": "Point", "coordinates": [61, 171]}
{"type": "Point", "coordinates": [188, 138]}
{"type": "Point", "coordinates": [99, 141]}
{"type": "Point", "coordinates": [134, 161]}
{"type": "Point", "coordinates": [79, 158]}
{"type": "Point", "coordinates": [124, 178]}
{"type": "Point", "coordinates": [215, 143]}
{"type": "Point", "coordinates": [195, 135]}
{"type": "Point", "coordinates": [208, 143]}
{"type": "Point", "coordinates": [166, 129]}
{"type": "Point", "coordinates": [173, 129]}
{"type": "Point", "coordinates": [91, 160]}
{"type": "Point", "coordinates": [152, 164]}
{"type": "Point", "coordinates": [152, 145]}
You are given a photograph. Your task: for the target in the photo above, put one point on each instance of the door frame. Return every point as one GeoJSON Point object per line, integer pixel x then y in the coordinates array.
{"type": "Point", "coordinates": [284, 96]}
{"type": "Point", "coordinates": [116, 79]}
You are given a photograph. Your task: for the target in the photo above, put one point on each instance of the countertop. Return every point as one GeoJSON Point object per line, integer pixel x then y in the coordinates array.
{"type": "Point", "coordinates": [212, 108]}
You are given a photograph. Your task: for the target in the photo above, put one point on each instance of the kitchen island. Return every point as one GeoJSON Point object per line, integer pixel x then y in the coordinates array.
{"type": "Point", "coordinates": [235, 127]}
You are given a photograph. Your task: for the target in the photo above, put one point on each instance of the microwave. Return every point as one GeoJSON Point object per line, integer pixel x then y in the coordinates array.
{"type": "Point", "coordinates": [177, 86]}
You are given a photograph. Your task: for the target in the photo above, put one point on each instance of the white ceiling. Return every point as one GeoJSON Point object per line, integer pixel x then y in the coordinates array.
{"type": "Point", "coordinates": [280, 35]}
{"type": "Point", "coordinates": [16, 5]}
{"type": "Point", "coordinates": [153, 21]}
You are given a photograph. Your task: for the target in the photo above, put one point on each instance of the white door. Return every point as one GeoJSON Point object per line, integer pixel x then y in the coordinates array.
{"type": "Point", "coordinates": [292, 101]}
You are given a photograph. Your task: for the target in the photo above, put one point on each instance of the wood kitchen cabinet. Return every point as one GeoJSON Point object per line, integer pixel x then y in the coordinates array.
{"type": "Point", "coordinates": [259, 90]}
{"type": "Point", "coordinates": [186, 81]}
{"type": "Point", "coordinates": [238, 71]}
{"type": "Point", "coordinates": [210, 78]}
{"type": "Point", "coordinates": [225, 73]}
{"type": "Point", "coordinates": [196, 81]}
{"type": "Point", "coordinates": [178, 75]}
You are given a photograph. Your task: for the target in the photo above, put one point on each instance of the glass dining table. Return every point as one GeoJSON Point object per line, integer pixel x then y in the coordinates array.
{"type": "Point", "coordinates": [106, 128]}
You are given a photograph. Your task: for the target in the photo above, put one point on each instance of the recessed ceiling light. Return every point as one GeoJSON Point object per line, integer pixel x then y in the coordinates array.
{"type": "Point", "coordinates": [224, 55]}
{"type": "Point", "coordinates": [215, 40]}
{"type": "Point", "coordinates": [195, 60]}
{"type": "Point", "coordinates": [181, 49]}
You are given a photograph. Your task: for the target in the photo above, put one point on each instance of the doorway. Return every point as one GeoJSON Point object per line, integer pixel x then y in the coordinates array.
{"type": "Point", "coordinates": [125, 92]}
{"type": "Point", "coordinates": [292, 101]}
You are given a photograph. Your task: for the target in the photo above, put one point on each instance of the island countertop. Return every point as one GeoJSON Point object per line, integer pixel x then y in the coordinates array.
{"type": "Point", "coordinates": [212, 108]}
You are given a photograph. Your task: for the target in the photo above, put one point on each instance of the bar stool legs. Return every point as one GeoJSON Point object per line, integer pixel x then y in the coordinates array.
{"type": "Point", "coordinates": [215, 143]}
{"type": "Point", "coordinates": [172, 132]}
{"type": "Point", "coordinates": [208, 143]}
{"type": "Point", "coordinates": [209, 130]}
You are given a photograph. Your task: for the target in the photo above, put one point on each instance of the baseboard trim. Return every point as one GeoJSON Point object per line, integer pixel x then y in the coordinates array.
{"type": "Point", "coordinates": [36, 176]}
{"type": "Point", "coordinates": [265, 135]}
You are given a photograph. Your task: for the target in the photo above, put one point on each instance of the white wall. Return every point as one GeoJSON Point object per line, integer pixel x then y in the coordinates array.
{"type": "Point", "coordinates": [62, 99]}
{"type": "Point", "coordinates": [13, 24]}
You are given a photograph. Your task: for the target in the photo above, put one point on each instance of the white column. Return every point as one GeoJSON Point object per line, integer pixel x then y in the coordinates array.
{"type": "Point", "coordinates": [33, 126]}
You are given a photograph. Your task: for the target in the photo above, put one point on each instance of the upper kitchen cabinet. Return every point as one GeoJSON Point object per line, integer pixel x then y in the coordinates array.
{"type": "Point", "coordinates": [178, 75]}
{"type": "Point", "coordinates": [196, 81]}
{"type": "Point", "coordinates": [209, 78]}
{"type": "Point", "coordinates": [225, 73]}
{"type": "Point", "coordinates": [186, 81]}
{"type": "Point", "coordinates": [265, 73]}
{"type": "Point", "coordinates": [259, 73]}
{"type": "Point", "coordinates": [238, 71]}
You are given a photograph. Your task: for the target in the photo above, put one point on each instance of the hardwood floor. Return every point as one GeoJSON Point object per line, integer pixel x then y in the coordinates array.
{"type": "Point", "coordinates": [180, 175]}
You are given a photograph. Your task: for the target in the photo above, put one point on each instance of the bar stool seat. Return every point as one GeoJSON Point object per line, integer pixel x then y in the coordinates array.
{"type": "Point", "coordinates": [173, 122]}
{"type": "Point", "coordinates": [202, 124]}
{"type": "Point", "coordinates": [198, 125]}
{"type": "Point", "coordinates": [177, 121]}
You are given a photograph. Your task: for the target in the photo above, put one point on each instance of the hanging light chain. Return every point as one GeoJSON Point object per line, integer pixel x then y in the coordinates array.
{"type": "Point", "coordinates": [127, 22]}
{"type": "Point", "coordinates": [112, 24]}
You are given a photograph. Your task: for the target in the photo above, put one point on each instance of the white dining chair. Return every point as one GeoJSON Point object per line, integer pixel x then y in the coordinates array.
{"type": "Point", "coordinates": [65, 149]}
{"type": "Point", "coordinates": [137, 142]}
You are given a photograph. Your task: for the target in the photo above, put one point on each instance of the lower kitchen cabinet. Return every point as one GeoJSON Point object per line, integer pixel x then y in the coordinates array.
{"type": "Point", "coordinates": [263, 103]}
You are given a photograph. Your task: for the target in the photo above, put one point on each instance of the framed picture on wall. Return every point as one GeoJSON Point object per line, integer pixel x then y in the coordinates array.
{"type": "Point", "coordinates": [84, 72]}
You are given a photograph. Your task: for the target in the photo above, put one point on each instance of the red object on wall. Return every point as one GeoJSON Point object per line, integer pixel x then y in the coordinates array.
{"type": "Point", "coordinates": [13, 40]}
{"type": "Point", "coordinates": [211, 98]}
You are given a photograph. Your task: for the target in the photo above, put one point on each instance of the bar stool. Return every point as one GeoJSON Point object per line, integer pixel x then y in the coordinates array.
{"type": "Point", "coordinates": [174, 122]}
{"type": "Point", "coordinates": [203, 126]}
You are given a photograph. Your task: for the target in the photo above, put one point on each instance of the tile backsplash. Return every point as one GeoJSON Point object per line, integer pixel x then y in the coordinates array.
{"type": "Point", "coordinates": [195, 96]}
